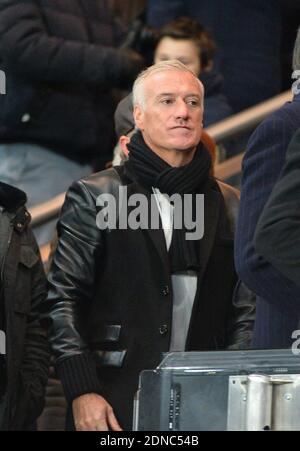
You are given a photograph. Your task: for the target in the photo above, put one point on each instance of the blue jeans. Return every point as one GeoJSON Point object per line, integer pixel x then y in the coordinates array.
{"type": "Point", "coordinates": [41, 174]}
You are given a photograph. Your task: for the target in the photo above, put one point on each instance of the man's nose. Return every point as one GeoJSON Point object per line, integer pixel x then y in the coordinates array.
{"type": "Point", "coordinates": [181, 110]}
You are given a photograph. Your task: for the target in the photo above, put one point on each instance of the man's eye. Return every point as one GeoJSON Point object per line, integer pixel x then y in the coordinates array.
{"type": "Point", "coordinates": [166, 101]}
{"type": "Point", "coordinates": [193, 102]}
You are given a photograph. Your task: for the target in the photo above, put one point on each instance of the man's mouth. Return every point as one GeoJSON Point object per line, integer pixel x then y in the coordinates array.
{"type": "Point", "coordinates": [185, 127]}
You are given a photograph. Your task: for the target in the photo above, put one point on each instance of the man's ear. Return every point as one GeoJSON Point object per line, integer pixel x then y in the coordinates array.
{"type": "Point", "coordinates": [138, 115]}
{"type": "Point", "coordinates": [123, 141]}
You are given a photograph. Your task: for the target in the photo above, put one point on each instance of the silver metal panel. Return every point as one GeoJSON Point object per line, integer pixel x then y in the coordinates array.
{"type": "Point", "coordinates": [136, 403]}
{"type": "Point", "coordinates": [262, 402]}
{"type": "Point", "coordinates": [286, 405]}
{"type": "Point", "coordinates": [221, 390]}
{"type": "Point", "coordinates": [237, 403]}
{"type": "Point", "coordinates": [259, 403]}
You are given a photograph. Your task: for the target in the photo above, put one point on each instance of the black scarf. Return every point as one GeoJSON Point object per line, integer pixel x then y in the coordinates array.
{"type": "Point", "coordinates": [149, 170]}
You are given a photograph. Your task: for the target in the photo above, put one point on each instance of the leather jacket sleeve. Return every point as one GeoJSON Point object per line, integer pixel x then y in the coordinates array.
{"type": "Point", "coordinates": [71, 284]}
{"type": "Point", "coordinates": [240, 328]}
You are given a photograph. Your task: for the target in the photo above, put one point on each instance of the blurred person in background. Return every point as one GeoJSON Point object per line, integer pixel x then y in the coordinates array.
{"type": "Point", "coordinates": [56, 119]}
{"type": "Point", "coordinates": [248, 34]}
{"type": "Point", "coordinates": [277, 235]}
{"type": "Point", "coordinates": [24, 350]}
{"type": "Point", "coordinates": [187, 41]}
{"type": "Point", "coordinates": [277, 310]}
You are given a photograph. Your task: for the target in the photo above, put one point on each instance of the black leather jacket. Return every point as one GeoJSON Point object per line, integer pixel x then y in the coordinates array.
{"type": "Point", "coordinates": [110, 298]}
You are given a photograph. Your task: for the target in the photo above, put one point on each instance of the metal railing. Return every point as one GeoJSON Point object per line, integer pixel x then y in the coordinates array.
{"type": "Point", "coordinates": [47, 210]}
{"type": "Point", "coordinates": [227, 128]}
{"type": "Point", "coordinates": [229, 167]}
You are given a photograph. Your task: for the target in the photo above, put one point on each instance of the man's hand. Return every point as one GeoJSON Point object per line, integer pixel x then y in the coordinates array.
{"type": "Point", "coordinates": [93, 413]}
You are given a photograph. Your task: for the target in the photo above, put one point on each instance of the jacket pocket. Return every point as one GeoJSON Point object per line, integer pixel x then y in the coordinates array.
{"type": "Point", "coordinates": [27, 257]}
{"type": "Point", "coordinates": [109, 358]}
{"type": "Point", "coordinates": [28, 260]}
{"type": "Point", "coordinates": [108, 337]}
{"type": "Point", "coordinates": [110, 333]}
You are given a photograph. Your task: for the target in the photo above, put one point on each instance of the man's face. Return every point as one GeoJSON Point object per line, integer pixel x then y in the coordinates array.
{"type": "Point", "coordinates": [184, 50]}
{"type": "Point", "coordinates": [172, 119]}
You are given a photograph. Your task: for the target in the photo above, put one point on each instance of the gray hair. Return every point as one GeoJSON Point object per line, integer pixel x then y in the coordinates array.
{"type": "Point", "coordinates": [296, 57]}
{"type": "Point", "coordinates": [138, 92]}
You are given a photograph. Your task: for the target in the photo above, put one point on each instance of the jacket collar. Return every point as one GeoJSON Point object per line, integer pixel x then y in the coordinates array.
{"type": "Point", "coordinates": [13, 201]}
{"type": "Point", "coordinates": [11, 198]}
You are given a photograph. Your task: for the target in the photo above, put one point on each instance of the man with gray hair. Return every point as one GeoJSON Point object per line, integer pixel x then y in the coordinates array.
{"type": "Point", "coordinates": [126, 290]}
{"type": "Point", "coordinates": [278, 304]}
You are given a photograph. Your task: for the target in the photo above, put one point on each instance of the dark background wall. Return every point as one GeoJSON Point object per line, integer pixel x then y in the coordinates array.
{"type": "Point", "coordinates": [127, 10]}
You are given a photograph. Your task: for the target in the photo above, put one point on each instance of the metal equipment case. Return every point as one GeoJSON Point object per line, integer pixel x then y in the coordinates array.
{"type": "Point", "coordinates": [228, 390]}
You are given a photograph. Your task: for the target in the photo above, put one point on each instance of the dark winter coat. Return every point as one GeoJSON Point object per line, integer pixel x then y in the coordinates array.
{"type": "Point", "coordinates": [24, 367]}
{"type": "Point", "coordinates": [278, 302]}
{"type": "Point", "coordinates": [60, 67]}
